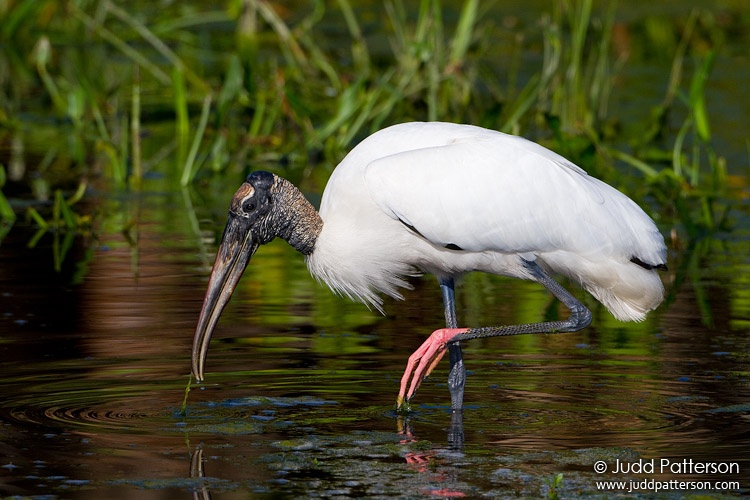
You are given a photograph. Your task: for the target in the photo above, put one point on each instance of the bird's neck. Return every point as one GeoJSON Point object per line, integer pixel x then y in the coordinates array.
{"type": "Point", "coordinates": [299, 222]}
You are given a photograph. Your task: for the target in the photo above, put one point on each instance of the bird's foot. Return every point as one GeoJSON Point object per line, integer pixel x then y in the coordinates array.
{"type": "Point", "coordinates": [422, 362]}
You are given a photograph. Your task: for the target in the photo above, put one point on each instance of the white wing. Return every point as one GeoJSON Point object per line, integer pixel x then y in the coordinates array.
{"type": "Point", "coordinates": [490, 191]}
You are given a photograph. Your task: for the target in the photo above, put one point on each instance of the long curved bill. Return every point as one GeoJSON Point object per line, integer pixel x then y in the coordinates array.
{"type": "Point", "coordinates": [236, 248]}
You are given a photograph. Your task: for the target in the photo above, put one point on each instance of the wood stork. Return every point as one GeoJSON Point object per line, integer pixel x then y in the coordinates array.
{"type": "Point", "coordinates": [448, 199]}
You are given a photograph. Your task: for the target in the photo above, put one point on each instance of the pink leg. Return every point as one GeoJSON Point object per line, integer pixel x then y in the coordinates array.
{"type": "Point", "coordinates": [423, 360]}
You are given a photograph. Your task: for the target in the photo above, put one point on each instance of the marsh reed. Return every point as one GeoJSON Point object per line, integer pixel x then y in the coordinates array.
{"type": "Point", "coordinates": [276, 92]}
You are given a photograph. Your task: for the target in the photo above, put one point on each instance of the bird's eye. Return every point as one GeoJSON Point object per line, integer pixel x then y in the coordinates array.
{"type": "Point", "coordinates": [248, 206]}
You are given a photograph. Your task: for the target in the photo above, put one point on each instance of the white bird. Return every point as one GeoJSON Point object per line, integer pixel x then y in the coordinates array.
{"type": "Point", "coordinates": [448, 199]}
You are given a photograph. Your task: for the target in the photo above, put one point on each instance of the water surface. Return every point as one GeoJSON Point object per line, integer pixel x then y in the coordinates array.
{"type": "Point", "coordinates": [300, 384]}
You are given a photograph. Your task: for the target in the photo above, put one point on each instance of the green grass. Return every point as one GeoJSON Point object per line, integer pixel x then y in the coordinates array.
{"type": "Point", "coordinates": [278, 93]}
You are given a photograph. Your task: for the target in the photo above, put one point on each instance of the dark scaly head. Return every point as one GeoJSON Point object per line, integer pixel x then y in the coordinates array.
{"type": "Point", "coordinates": [264, 206]}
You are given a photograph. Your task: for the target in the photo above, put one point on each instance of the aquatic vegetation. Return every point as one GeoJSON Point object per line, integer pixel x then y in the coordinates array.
{"type": "Point", "coordinates": [190, 93]}
{"type": "Point", "coordinates": [64, 224]}
{"type": "Point", "coordinates": [690, 180]}
{"type": "Point", "coordinates": [553, 485]}
{"type": "Point", "coordinates": [7, 215]}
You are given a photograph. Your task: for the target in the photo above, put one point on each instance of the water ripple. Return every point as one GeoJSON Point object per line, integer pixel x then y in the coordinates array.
{"type": "Point", "coordinates": [101, 409]}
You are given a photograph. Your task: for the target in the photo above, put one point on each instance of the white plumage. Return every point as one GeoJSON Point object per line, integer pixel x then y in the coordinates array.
{"type": "Point", "coordinates": [448, 199]}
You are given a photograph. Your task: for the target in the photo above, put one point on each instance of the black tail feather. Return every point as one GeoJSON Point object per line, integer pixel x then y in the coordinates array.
{"type": "Point", "coordinates": [646, 265]}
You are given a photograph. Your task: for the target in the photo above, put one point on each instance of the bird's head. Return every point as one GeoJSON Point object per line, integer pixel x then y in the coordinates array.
{"type": "Point", "coordinates": [265, 206]}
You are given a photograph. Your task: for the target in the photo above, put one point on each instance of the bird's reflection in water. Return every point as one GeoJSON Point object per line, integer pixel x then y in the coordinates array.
{"type": "Point", "coordinates": [456, 430]}
{"type": "Point", "coordinates": [405, 427]}
{"type": "Point", "coordinates": [423, 461]}
{"type": "Point", "coordinates": [427, 461]}
{"type": "Point", "coordinates": [197, 472]}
